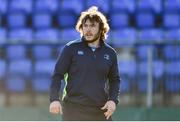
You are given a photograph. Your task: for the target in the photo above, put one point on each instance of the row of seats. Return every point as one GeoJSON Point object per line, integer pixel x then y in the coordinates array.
{"type": "Point", "coordinates": [131, 68]}
{"type": "Point", "coordinates": [17, 73]}
{"type": "Point", "coordinates": [20, 20]}
{"type": "Point", "coordinates": [120, 37]}
{"type": "Point", "coordinates": [26, 68]}
{"type": "Point", "coordinates": [36, 52]}
{"type": "Point", "coordinates": [145, 16]}
{"type": "Point", "coordinates": [145, 20]}
{"type": "Point", "coordinates": [158, 52]}
{"type": "Point", "coordinates": [68, 19]}
{"type": "Point", "coordinates": [107, 6]}
{"type": "Point", "coordinates": [43, 36]}
{"type": "Point", "coordinates": [29, 6]}
{"type": "Point", "coordinates": [42, 84]}
{"type": "Point", "coordinates": [19, 84]}
{"type": "Point", "coordinates": [170, 86]}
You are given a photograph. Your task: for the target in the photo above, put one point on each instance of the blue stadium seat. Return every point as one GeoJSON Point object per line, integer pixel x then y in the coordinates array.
{"type": "Point", "coordinates": [3, 36]}
{"type": "Point", "coordinates": [50, 35]}
{"type": "Point", "coordinates": [41, 52]}
{"type": "Point", "coordinates": [172, 85]}
{"type": "Point", "coordinates": [170, 6]}
{"type": "Point", "coordinates": [44, 67]}
{"type": "Point", "coordinates": [76, 6]}
{"type": "Point", "coordinates": [25, 6]}
{"type": "Point", "coordinates": [123, 37]}
{"type": "Point", "coordinates": [142, 52]}
{"type": "Point", "coordinates": [22, 67]}
{"type": "Point", "coordinates": [15, 52]}
{"type": "Point", "coordinates": [171, 20]}
{"type": "Point", "coordinates": [123, 5]}
{"type": "Point", "coordinates": [15, 84]}
{"type": "Point", "coordinates": [125, 85]}
{"type": "Point", "coordinates": [119, 20]}
{"type": "Point", "coordinates": [142, 85]}
{"type": "Point", "coordinates": [167, 51]}
{"type": "Point", "coordinates": [41, 84]}
{"type": "Point", "coordinates": [2, 69]}
{"type": "Point", "coordinates": [143, 69]}
{"type": "Point", "coordinates": [42, 20]}
{"type": "Point", "coordinates": [145, 20]}
{"type": "Point", "coordinates": [66, 20]}
{"type": "Point", "coordinates": [22, 35]}
{"type": "Point", "coordinates": [103, 5]}
{"type": "Point", "coordinates": [158, 69]}
{"type": "Point", "coordinates": [0, 19]}
{"type": "Point", "coordinates": [128, 68]}
{"type": "Point", "coordinates": [172, 35]}
{"type": "Point", "coordinates": [150, 5]}
{"type": "Point", "coordinates": [151, 36]}
{"type": "Point", "coordinates": [172, 68]}
{"type": "Point", "coordinates": [43, 71]}
{"type": "Point", "coordinates": [67, 35]}
{"type": "Point", "coordinates": [46, 5]}
{"type": "Point", "coordinates": [16, 20]}
{"type": "Point", "coordinates": [3, 6]}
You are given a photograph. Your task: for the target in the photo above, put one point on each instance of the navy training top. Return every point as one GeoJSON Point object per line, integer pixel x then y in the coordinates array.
{"type": "Point", "coordinates": [93, 76]}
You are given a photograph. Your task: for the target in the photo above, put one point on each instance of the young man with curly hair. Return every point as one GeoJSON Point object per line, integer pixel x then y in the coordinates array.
{"type": "Point", "coordinates": [93, 77]}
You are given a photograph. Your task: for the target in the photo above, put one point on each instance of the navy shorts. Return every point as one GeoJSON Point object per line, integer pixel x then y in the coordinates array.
{"type": "Point", "coordinates": [76, 112]}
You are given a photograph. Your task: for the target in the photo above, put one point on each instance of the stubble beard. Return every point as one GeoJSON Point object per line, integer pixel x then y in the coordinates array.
{"type": "Point", "coordinates": [97, 36]}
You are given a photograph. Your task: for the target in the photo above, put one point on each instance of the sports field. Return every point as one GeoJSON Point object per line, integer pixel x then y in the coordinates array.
{"type": "Point", "coordinates": [122, 114]}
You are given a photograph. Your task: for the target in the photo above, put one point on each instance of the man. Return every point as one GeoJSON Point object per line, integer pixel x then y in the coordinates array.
{"type": "Point", "coordinates": [93, 77]}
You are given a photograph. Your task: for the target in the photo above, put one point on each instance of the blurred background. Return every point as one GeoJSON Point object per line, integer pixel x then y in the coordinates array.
{"type": "Point", "coordinates": [145, 34]}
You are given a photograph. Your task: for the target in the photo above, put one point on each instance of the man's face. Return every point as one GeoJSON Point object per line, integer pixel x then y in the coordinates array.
{"type": "Point", "coordinates": [90, 30]}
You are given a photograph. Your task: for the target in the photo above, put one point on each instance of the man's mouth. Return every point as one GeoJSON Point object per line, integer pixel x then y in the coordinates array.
{"type": "Point", "coordinates": [88, 34]}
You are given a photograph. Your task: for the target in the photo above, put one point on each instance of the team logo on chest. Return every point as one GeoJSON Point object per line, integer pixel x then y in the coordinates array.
{"type": "Point", "coordinates": [80, 52]}
{"type": "Point", "coordinates": [106, 56]}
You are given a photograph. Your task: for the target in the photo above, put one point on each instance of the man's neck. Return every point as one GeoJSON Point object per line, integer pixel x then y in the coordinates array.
{"type": "Point", "coordinates": [94, 44]}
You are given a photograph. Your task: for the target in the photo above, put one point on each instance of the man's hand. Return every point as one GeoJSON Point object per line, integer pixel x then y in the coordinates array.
{"type": "Point", "coordinates": [111, 107]}
{"type": "Point", "coordinates": [55, 108]}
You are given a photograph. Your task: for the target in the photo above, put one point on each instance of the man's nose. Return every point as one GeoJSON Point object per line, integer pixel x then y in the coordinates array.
{"type": "Point", "coordinates": [88, 28]}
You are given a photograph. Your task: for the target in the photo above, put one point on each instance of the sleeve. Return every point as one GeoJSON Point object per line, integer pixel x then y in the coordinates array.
{"type": "Point", "coordinates": [61, 67]}
{"type": "Point", "coordinates": [114, 81]}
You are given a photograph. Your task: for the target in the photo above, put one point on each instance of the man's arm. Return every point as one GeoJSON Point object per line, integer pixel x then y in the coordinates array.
{"type": "Point", "coordinates": [114, 80]}
{"type": "Point", "coordinates": [61, 67]}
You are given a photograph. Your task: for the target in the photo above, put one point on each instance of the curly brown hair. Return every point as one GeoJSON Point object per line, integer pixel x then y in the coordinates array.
{"type": "Point", "coordinates": [93, 14]}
